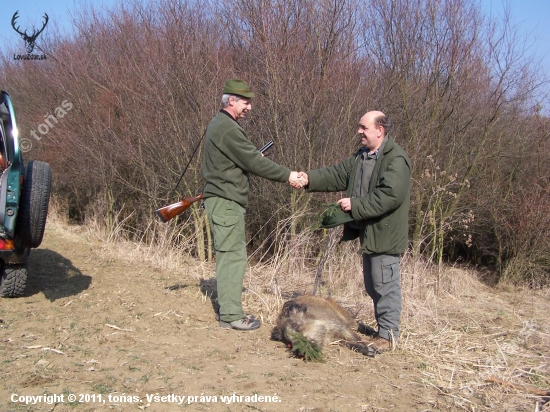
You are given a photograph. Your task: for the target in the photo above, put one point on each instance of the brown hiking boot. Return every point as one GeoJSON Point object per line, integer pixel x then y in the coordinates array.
{"type": "Point", "coordinates": [380, 344]}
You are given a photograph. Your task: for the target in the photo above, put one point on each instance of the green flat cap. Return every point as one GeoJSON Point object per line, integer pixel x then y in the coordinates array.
{"type": "Point", "coordinates": [334, 216]}
{"type": "Point", "coordinates": [238, 87]}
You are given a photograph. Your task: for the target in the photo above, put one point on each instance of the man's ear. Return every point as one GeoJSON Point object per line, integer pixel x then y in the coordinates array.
{"type": "Point", "coordinates": [232, 100]}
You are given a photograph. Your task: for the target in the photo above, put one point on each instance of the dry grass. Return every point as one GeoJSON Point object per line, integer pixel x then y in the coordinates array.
{"type": "Point", "coordinates": [459, 331]}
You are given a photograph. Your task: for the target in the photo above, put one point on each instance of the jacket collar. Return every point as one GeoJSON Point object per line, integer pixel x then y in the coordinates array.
{"type": "Point", "coordinates": [228, 115]}
{"type": "Point", "coordinates": [386, 146]}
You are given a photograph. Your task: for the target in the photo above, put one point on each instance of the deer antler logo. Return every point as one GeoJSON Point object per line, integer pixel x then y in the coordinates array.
{"type": "Point", "coordinates": [30, 40]}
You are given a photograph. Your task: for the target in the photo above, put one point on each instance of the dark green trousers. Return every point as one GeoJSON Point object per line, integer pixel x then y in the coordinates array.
{"type": "Point", "coordinates": [226, 220]}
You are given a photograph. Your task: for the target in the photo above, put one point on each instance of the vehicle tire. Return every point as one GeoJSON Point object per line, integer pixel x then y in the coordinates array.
{"type": "Point", "coordinates": [33, 205]}
{"type": "Point", "coordinates": [13, 281]}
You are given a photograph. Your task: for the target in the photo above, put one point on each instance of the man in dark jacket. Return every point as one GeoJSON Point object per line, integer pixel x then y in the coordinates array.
{"type": "Point", "coordinates": [377, 184]}
{"type": "Point", "coordinates": [229, 157]}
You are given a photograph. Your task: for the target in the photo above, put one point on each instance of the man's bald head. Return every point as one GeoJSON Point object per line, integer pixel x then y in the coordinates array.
{"type": "Point", "coordinates": [373, 127]}
{"type": "Point", "coordinates": [379, 119]}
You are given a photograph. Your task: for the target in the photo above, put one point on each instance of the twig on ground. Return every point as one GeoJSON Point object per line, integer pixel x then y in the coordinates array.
{"type": "Point", "coordinates": [498, 334]}
{"type": "Point", "coordinates": [528, 388]}
{"type": "Point", "coordinates": [117, 328]}
{"type": "Point", "coordinates": [54, 351]}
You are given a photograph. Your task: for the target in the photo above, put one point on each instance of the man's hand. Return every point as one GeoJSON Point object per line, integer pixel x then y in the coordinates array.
{"type": "Point", "coordinates": [345, 204]}
{"type": "Point", "coordinates": [298, 180]}
{"type": "Point", "coordinates": [304, 178]}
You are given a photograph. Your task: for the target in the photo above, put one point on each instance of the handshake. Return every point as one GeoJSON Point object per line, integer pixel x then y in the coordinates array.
{"type": "Point", "coordinates": [298, 179]}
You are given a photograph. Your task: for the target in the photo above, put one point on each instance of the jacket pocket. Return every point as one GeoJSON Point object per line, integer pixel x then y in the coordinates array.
{"type": "Point", "coordinates": [390, 269]}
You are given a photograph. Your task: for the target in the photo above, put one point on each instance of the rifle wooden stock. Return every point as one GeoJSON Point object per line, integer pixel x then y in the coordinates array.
{"type": "Point", "coordinates": [169, 212]}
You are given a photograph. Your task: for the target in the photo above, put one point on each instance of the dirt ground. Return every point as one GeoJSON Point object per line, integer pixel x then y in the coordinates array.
{"type": "Point", "coordinates": [127, 336]}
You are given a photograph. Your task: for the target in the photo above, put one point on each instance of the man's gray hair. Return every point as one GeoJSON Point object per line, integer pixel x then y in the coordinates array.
{"type": "Point", "coordinates": [225, 99]}
{"type": "Point", "coordinates": [384, 122]}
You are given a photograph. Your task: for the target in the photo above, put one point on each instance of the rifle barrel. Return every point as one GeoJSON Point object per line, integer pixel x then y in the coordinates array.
{"type": "Point", "coordinates": [267, 146]}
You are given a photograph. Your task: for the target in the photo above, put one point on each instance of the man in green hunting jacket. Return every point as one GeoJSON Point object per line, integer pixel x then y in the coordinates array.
{"type": "Point", "coordinates": [377, 184]}
{"type": "Point", "coordinates": [229, 157]}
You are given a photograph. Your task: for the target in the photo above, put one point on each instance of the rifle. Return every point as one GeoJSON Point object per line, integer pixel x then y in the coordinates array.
{"type": "Point", "coordinates": [169, 212]}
